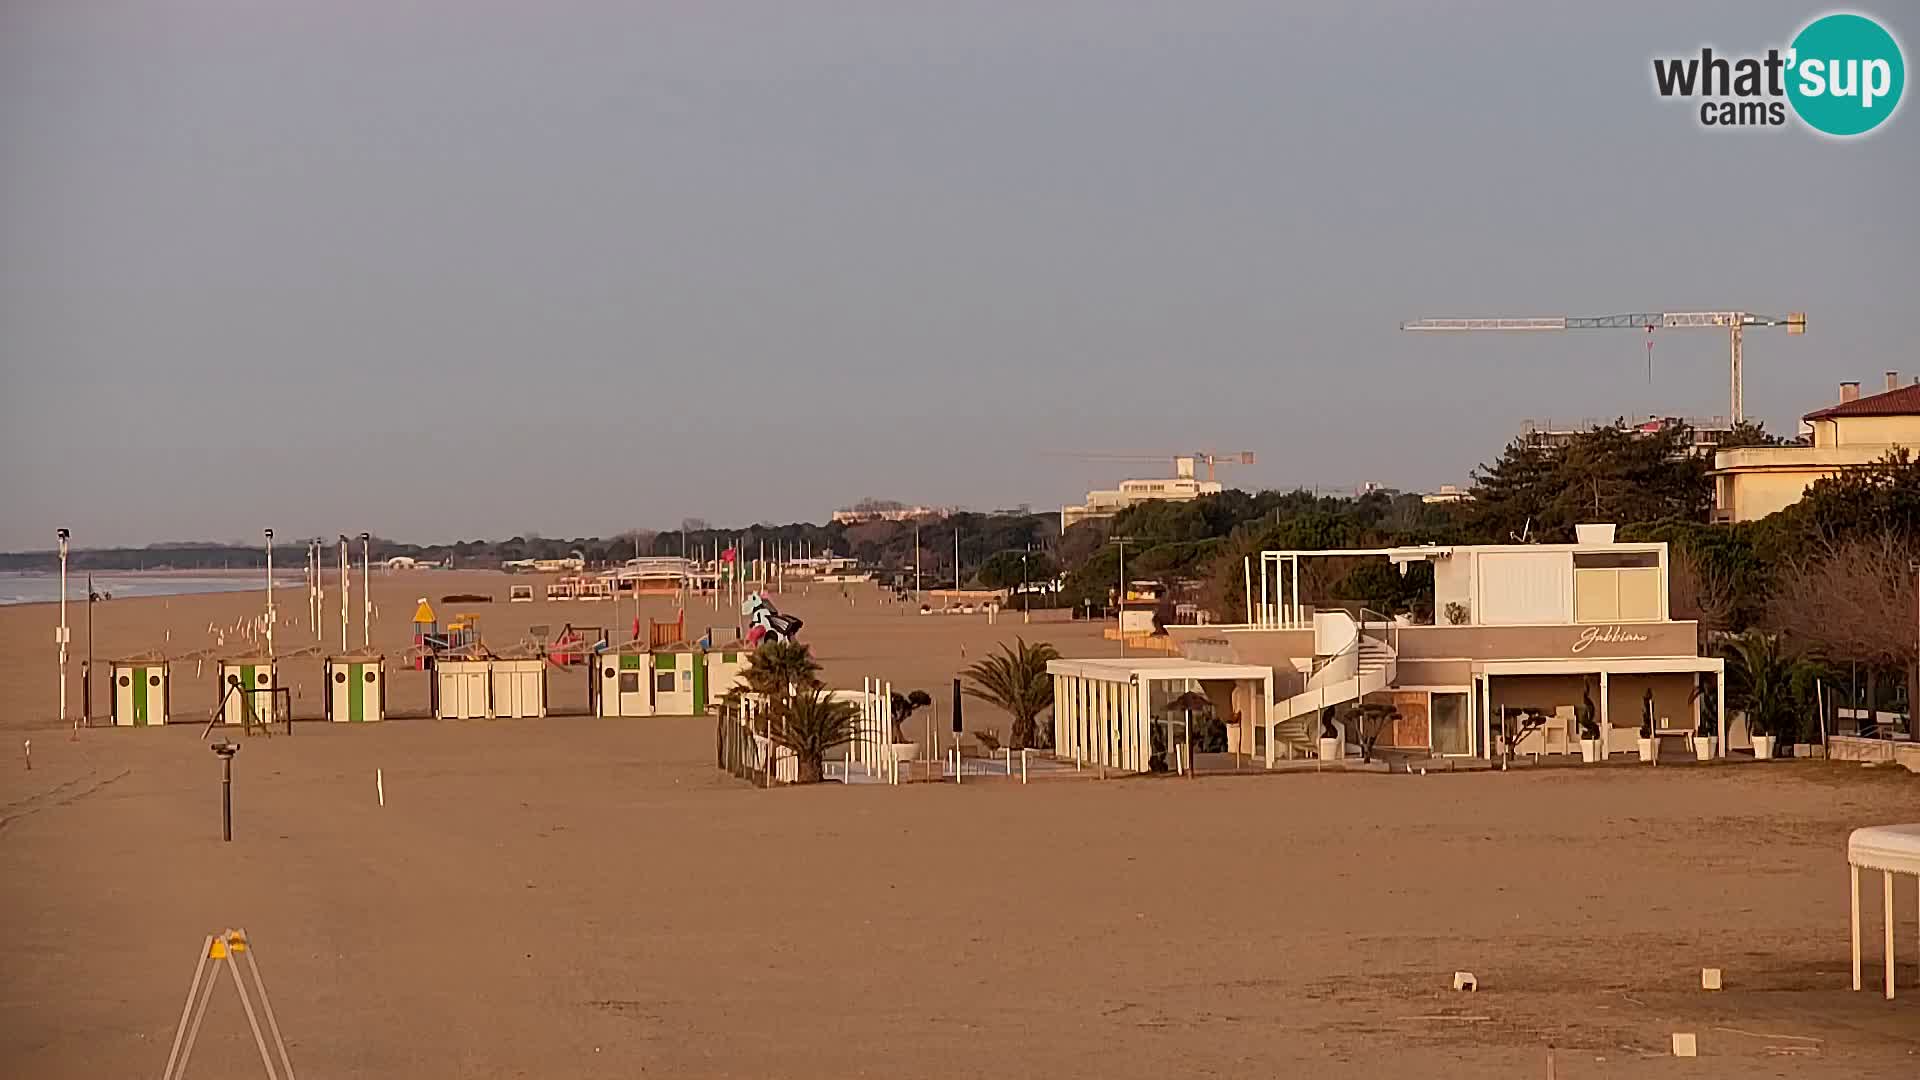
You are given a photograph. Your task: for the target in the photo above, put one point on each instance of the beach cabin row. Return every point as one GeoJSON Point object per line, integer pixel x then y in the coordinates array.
{"type": "Point", "coordinates": [143, 689]}
{"type": "Point", "coordinates": [672, 681]}
{"type": "Point", "coordinates": [489, 688]}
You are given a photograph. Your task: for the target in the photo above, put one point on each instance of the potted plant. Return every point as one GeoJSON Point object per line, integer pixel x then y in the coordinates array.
{"type": "Point", "coordinates": [1767, 682]}
{"type": "Point", "coordinates": [1703, 738]}
{"type": "Point", "coordinates": [1330, 747]}
{"type": "Point", "coordinates": [1646, 725]}
{"type": "Point", "coordinates": [903, 706]}
{"type": "Point", "coordinates": [1585, 715]}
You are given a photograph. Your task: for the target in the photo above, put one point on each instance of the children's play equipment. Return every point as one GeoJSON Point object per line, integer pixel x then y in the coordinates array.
{"type": "Point", "coordinates": [765, 623]}
{"type": "Point", "coordinates": [426, 629]}
{"type": "Point", "coordinates": [246, 690]}
{"type": "Point", "coordinates": [662, 634]}
{"type": "Point", "coordinates": [142, 689]}
{"type": "Point", "coordinates": [221, 949]}
{"type": "Point", "coordinates": [356, 687]}
{"type": "Point", "coordinates": [682, 680]}
{"type": "Point", "coordinates": [574, 644]}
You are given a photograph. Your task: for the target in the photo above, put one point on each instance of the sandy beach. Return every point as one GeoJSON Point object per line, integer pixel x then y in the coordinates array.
{"type": "Point", "coordinates": [584, 897]}
{"type": "Point", "coordinates": [855, 633]}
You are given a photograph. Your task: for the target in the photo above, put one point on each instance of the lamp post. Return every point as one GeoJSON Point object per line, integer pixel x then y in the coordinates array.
{"type": "Point", "coordinates": [366, 590]}
{"type": "Point", "coordinates": [346, 586]}
{"type": "Point", "coordinates": [1026, 612]}
{"type": "Point", "coordinates": [269, 534]}
{"type": "Point", "coordinates": [62, 636]}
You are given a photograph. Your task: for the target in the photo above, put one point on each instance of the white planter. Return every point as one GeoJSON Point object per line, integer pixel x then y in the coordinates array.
{"type": "Point", "coordinates": [1589, 750]}
{"type": "Point", "coordinates": [1330, 749]}
{"type": "Point", "coordinates": [1703, 747]}
{"type": "Point", "coordinates": [904, 752]}
{"type": "Point", "coordinates": [1762, 747]}
{"type": "Point", "coordinates": [1646, 749]}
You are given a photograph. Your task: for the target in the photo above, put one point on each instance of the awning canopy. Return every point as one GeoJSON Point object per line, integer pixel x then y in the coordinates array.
{"type": "Point", "coordinates": [1155, 669]}
{"type": "Point", "coordinates": [1642, 665]}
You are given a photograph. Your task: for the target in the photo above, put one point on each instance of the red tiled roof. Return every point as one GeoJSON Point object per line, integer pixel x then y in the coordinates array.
{"type": "Point", "coordinates": [1902, 401]}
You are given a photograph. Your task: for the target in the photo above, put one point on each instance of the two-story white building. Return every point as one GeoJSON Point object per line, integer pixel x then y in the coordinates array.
{"type": "Point", "coordinates": [1517, 628]}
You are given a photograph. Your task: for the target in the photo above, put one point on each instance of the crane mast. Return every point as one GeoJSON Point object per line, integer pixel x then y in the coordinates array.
{"type": "Point", "coordinates": [1735, 323]}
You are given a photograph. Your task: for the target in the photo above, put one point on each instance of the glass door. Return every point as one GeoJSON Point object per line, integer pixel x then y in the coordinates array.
{"type": "Point", "coordinates": [1451, 725]}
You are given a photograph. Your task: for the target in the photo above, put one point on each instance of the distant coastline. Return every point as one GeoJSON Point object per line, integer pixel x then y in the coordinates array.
{"type": "Point", "coordinates": [42, 587]}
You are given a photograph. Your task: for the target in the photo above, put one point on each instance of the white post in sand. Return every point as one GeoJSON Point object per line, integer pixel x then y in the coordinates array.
{"type": "Point", "coordinates": [380, 786]}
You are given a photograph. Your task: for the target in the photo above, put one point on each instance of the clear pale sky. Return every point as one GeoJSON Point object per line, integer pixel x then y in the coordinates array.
{"type": "Point", "coordinates": [458, 269]}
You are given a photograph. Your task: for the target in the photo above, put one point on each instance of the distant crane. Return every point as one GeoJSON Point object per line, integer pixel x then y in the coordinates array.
{"type": "Point", "coordinates": [1209, 458]}
{"type": "Point", "coordinates": [1734, 322]}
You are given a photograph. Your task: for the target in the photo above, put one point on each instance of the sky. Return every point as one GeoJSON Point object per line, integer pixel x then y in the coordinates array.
{"type": "Point", "coordinates": [471, 268]}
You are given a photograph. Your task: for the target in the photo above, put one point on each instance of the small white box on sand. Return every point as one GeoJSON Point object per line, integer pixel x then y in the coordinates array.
{"type": "Point", "coordinates": [1464, 980]}
{"type": "Point", "coordinates": [1685, 1045]}
{"type": "Point", "coordinates": [1709, 978]}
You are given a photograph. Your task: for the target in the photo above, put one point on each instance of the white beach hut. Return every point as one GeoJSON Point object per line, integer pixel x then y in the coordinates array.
{"type": "Point", "coordinates": [142, 690]}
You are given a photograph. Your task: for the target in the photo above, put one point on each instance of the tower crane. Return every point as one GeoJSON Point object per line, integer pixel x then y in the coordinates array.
{"type": "Point", "coordinates": [1209, 458]}
{"type": "Point", "coordinates": [1733, 322]}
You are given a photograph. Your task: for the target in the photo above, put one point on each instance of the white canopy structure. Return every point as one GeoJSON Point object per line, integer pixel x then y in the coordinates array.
{"type": "Point", "coordinates": [1103, 709]}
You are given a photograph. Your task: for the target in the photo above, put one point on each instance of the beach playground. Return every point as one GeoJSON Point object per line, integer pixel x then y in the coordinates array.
{"type": "Point", "coordinates": [580, 896]}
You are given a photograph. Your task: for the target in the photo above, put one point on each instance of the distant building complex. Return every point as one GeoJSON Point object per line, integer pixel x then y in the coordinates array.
{"type": "Point", "coordinates": [1183, 486]}
{"type": "Point", "coordinates": [1753, 481]}
{"type": "Point", "coordinates": [1707, 433]}
{"type": "Point", "coordinates": [888, 512]}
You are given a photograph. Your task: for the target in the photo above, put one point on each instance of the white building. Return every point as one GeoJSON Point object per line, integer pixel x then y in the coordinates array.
{"type": "Point", "coordinates": [1183, 486]}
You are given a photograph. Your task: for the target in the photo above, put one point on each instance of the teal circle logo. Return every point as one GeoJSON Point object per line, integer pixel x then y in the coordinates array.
{"type": "Point", "coordinates": [1846, 74]}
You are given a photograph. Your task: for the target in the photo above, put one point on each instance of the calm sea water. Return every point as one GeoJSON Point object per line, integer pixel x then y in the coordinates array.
{"type": "Point", "coordinates": [35, 588]}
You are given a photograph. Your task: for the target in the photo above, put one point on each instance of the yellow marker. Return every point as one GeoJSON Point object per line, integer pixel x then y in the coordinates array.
{"type": "Point", "coordinates": [219, 950]}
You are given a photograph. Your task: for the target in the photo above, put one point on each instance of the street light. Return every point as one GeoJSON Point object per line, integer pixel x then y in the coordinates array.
{"type": "Point", "coordinates": [61, 638]}
{"type": "Point", "coordinates": [346, 587]}
{"type": "Point", "coordinates": [366, 591]}
{"type": "Point", "coordinates": [269, 533]}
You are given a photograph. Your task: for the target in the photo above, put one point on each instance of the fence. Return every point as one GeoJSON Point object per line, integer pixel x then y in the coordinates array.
{"type": "Point", "coordinates": [742, 751]}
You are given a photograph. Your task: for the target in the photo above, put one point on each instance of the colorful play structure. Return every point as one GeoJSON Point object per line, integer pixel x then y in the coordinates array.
{"type": "Point", "coordinates": [765, 623]}
{"type": "Point", "coordinates": [429, 643]}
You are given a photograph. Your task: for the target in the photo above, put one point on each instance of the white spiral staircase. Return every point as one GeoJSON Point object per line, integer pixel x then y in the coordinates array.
{"type": "Point", "coordinates": [1352, 658]}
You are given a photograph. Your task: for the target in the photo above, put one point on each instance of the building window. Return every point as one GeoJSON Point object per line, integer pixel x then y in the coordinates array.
{"type": "Point", "coordinates": [1628, 594]}
{"type": "Point", "coordinates": [629, 682]}
{"type": "Point", "coordinates": [1605, 560]}
{"type": "Point", "coordinates": [663, 682]}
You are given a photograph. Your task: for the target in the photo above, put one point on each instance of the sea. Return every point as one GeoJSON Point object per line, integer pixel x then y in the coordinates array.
{"type": "Point", "coordinates": [40, 587]}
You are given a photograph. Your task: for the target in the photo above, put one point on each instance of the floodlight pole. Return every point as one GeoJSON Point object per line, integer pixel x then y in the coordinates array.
{"type": "Point", "coordinates": [63, 625]}
{"type": "Point", "coordinates": [366, 590]}
{"type": "Point", "coordinates": [346, 586]}
{"type": "Point", "coordinates": [269, 535]}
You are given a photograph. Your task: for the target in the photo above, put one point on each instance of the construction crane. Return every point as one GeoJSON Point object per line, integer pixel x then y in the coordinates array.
{"type": "Point", "coordinates": [1734, 322]}
{"type": "Point", "coordinates": [1209, 458]}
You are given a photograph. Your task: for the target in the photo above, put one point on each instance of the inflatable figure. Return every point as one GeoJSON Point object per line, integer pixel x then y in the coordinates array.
{"type": "Point", "coordinates": [765, 623]}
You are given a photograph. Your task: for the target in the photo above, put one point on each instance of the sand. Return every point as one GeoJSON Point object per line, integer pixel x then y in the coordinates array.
{"type": "Point", "coordinates": [585, 897]}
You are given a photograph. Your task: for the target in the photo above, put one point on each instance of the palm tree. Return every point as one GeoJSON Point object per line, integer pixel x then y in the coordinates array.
{"type": "Point", "coordinates": [1768, 682]}
{"type": "Point", "coordinates": [780, 669]}
{"type": "Point", "coordinates": [811, 724]}
{"type": "Point", "coordinates": [1015, 679]}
